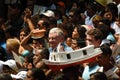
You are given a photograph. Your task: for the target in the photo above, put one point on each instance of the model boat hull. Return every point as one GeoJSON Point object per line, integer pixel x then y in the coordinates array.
{"type": "Point", "coordinates": [77, 58]}
{"type": "Point", "coordinates": [60, 65]}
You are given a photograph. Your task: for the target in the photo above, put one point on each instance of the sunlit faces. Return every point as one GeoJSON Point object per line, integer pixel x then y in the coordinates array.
{"type": "Point", "coordinates": [90, 40]}
{"type": "Point", "coordinates": [69, 41]}
{"type": "Point", "coordinates": [54, 40]}
{"type": "Point", "coordinates": [75, 33]}
{"type": "Point", "coordinates": [22, 35]}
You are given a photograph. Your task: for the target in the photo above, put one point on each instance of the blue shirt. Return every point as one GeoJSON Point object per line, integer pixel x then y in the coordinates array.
{"type": "Point", "coordinates": [87, 71]}
{"type": "Point", "coordinates": [66, 48]}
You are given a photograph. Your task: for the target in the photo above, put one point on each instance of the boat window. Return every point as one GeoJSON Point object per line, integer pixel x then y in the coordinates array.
{"type": "Point", "coordinates": [54, 58]}
{"type": "Point", "coordinates": [84, 52]}
{"type": "Point", "coordinates": [68, 56]}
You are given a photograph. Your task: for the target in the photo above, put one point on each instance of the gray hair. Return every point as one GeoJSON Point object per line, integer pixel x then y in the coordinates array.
{"type": "Point", "coordinates": [57, 31]}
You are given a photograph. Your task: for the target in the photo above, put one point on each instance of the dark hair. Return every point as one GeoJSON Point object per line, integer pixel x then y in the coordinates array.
{"type": "Point", "coordinates": [45, 51]}
{"type": "Point", "coordinates": [98, 35]}
{"type": "Point", "coordinates": [81, 31]}
{"type": "Point", "coordinates": [38, 74]}
{"type": "Point", "coordinates": [106, 50]}
{"type": "Point", "coordinates": [113, 8]}
{"type": "Point", "coordinates": [29, 57]}
{"type": "Point", "coordinates": [81, 43]}
{"type": "Point", "coordinates": [99, 76]}
{"type": "Point", "coordinates": [26, 30]}
{"type": "Point", "coordinates": [105, 29]}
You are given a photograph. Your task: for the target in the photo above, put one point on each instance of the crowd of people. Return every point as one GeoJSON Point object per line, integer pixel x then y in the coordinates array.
{"type": "Point", "coordinates": [30, 30]}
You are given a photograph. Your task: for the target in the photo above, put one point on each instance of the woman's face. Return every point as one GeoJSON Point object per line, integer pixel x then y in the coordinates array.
{"type": "Point", "coordinates": [108, 15]}
{"type": "Point", "coordinates": [75, 33]}
{"type": "Point", "coordinates": [22, 35]}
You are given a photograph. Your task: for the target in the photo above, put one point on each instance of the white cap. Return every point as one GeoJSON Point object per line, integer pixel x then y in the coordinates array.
{"type": "Point", "coordinates": [20, 75]}
{"type": "Point", "coordinates": [12, 64]}
{"type": "Point", "coordinates": [49, 13]}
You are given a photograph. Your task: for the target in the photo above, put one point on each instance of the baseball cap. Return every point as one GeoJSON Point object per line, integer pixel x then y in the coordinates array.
{"type": "Point", "coordinates": [12, 64]}
{"type": "Point", "coordinates": [49, 13]}
{"type": "Point", "coordinates": [19, 75]}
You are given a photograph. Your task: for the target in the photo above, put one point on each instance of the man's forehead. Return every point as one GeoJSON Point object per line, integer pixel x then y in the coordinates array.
{"type": "Point", "coordinates": [53, 34]}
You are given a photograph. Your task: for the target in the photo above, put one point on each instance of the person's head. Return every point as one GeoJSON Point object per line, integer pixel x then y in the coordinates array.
{"type": "Point", "coordinates": [114, 9]}
{"type": "Point", "coordinates": [98, 76]}
{"type": "Point", "coordinates": [23, 33]}
{"type": "Point", "coordinates": [56, 35]}
{"type": "Point", "coordinates": [12, 44]}
{"type": "Point", "coordinates": [35, 74]}
{"type": "Point", "coordinates": [96, 19]}
{"type": "Point", "coordinates": [42, 65]}
{"type": "Point", "coordinates": [91, 9]}
{"type": "Point", "coordinates": [43, 23]}
{"type": "Point", "coordinates": [105, 29]}
{"type": "Point", "coordinates": [75, 17]}
{"type": "Point", "coordinates": [38, 43]}
{"type": "Point", "coordinates": [39, 55]}
{"type": "Point", "coordinates": [77, 44]}
{"type": "Point", "coordinates": [79, 32]}
{"type": "Point", "coordinates": [94, 37]}
{"type": "Point", "coordinates": [5, 76]}
{"type": "Point", "coordinates": [105, 58]}
{"type": "Point", "coordinates": [108, 14]}
{"type": "Point", "coordinates": [28, 61]}
{"type": "Point", "coordinates": [69, 41]}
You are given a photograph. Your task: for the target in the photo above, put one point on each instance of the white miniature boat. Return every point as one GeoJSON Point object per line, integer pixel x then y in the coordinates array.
{"type": "Point", "coordinates": [60, 60]}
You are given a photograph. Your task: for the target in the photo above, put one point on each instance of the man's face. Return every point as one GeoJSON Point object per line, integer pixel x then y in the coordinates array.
{"type": "Point", "coordinates": [53, 40]}
{"type": "Point", "coordinates": [90, 40]}
{"type": "Point", "coordinates": [37, 57]}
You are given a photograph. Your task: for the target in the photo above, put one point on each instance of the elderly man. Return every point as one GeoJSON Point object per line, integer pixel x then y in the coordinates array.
{"type": "Point", "coordinates": [56, 41]}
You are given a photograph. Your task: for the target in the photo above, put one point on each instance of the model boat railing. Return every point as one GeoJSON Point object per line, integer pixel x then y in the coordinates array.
{"type": "Point", "coordinates": [82, 53]}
